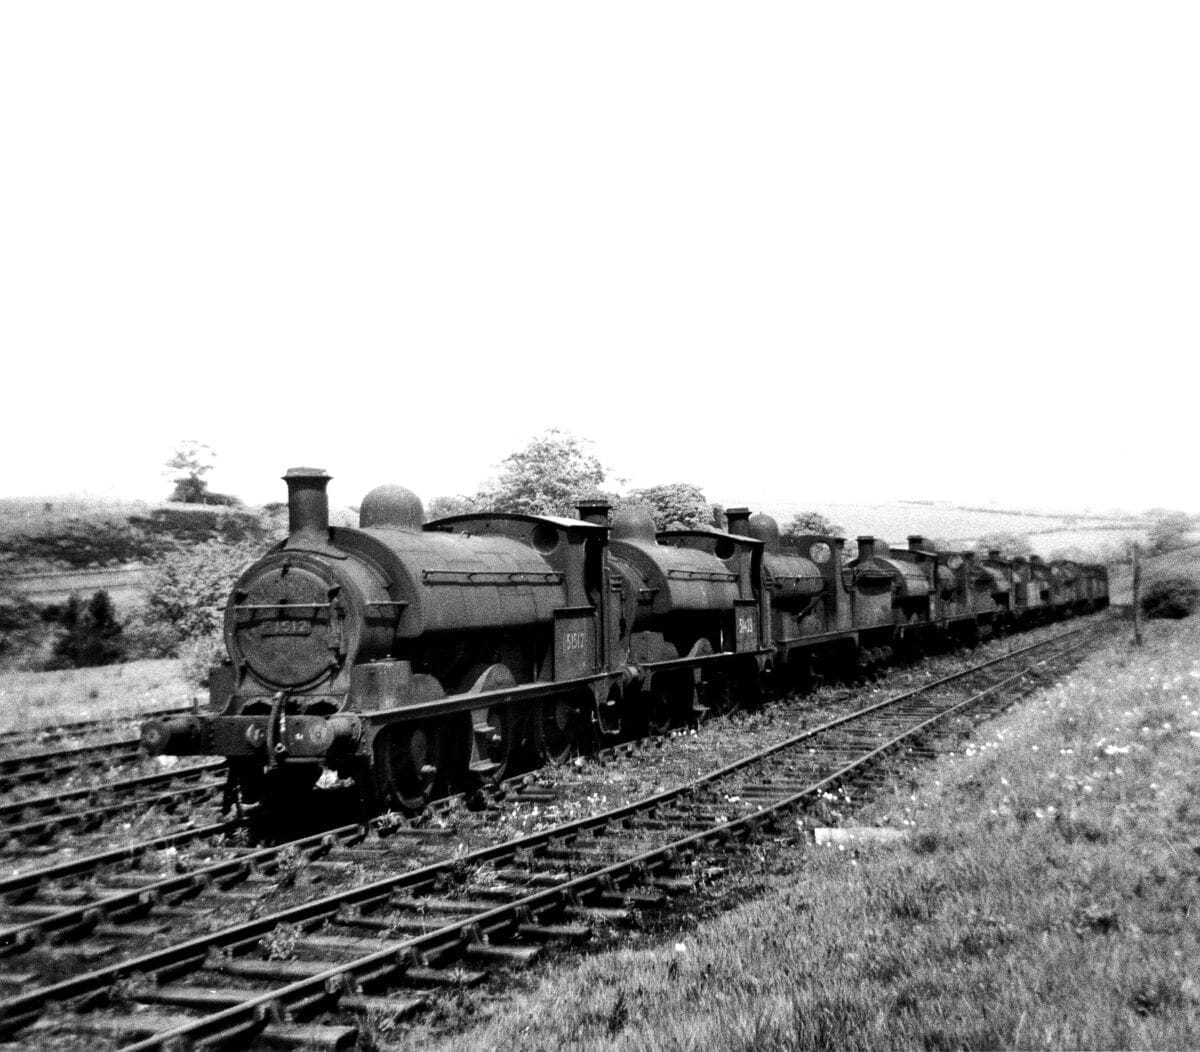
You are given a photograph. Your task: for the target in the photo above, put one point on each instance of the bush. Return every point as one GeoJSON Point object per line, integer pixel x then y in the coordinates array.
{"type": "Point", "coordinates": [1174, 597]}
{"type": "Point", "coordinates": [16, 613]}
{"type": "Point", "coordinates": [21, 631]}
{"type": "Point", "coordinates": [198, 656]}
{"type": "Point", "coordinates": [188, 591]}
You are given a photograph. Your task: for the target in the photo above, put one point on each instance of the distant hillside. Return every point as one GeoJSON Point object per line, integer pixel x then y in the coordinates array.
{"type": "Point", "coordinates": [40, 535]}
{"type": "Point", "coordinates": [75, 534]}
{"type": "Point", "coordinates": [44, 535]}
{"type": "Point", "coordinates": [963, 526]}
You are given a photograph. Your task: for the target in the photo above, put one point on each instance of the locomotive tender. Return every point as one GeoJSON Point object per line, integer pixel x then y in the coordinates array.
{"type": "Point", "coordinates": [410, 655]}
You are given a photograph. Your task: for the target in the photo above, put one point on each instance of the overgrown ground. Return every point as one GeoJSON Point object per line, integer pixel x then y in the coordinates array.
{"type": "Point", "coordinates": [1183, 562]}
{"type": "Point", "coordinates": [30, 700]}
{"type": "Point", "coordinates": [1043, 898]}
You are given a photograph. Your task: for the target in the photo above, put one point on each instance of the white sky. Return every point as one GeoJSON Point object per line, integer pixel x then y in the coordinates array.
{"type": "Point", "coordinates": [783, 251]}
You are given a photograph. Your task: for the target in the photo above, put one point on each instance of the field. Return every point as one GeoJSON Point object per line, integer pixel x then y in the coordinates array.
{"type": "Point", "coordinates": [1040, 897]}
{"type": "Point", "coordinates": [29, 700]}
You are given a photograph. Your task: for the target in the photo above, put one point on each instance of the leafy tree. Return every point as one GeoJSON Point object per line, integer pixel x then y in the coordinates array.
{"type": "Point", "coordinates": [1011, 545]}
{"type": "Point", "coordinates": [195, 460]}
{"type": "Point", "coordinates": [674, 505]}
{"type": "Point", "coordinates": [443, 507]}
{"type": "Point", "coordinates": [547, 477]}
{"type": "Point", "coordinates": [806, 522]}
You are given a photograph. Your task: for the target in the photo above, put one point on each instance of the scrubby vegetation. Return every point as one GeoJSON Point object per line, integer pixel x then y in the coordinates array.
{"type": "Point", "coordinates": [1172, 596]}
{"type": "Point", "coordinates": [20, 625]}
{"type": "Point", "coordinates": [181, 616]}
{"type": "Point", "coordinates": [184, 608]}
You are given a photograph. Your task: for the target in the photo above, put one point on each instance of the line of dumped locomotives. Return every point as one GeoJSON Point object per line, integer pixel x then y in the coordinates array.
{"type": "Point", "coordinates": [417, 657]}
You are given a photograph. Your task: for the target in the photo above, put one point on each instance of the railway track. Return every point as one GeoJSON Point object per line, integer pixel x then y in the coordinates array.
{"type": "Point", "coordinates": [52, 764]}
{"type": "Point", "coordinates": [19, 739]}
{"type": "Point", "coordinates": [445, 921]}
{"type": "Point", "coordinates": [39, 821]}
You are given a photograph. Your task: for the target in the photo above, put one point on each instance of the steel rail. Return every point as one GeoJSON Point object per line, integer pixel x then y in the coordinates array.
{"type": "Point", "coordinates": [31, 878]}
{"type": "Point", "coordinates": [50, 816]}
{"type": "Point", "coordinates": [146, 781]}
{"type": "Point", "coordinates": [24, 1008]}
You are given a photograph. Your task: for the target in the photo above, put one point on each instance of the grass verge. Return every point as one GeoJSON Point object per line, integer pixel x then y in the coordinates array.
{"type": "Point", "coordinates": [31, 700]}
{"type": "Point", "coordinates": [1043, 898]}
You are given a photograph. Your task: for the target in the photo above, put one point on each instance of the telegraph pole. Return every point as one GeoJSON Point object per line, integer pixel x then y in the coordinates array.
{"type": "Point", "coordinates": [1137, 594]}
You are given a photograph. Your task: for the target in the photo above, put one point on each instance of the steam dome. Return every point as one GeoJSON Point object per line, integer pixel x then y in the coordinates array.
{"type": "Point", "coordinates": [633, 524]}
{"type": "Point", "coordinates": [391, 508]}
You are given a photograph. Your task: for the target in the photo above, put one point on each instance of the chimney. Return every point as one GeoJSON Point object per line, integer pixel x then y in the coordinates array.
{"type": "Point", "coordinates": [737, 521]}
{"type": "Point", "coordinates": [866, 548]}
{"type": "Point", "coordinates": [308, 503]}
{"type": "Point", "coordinates": [916, 543]}
{"type": "Point", "coordinates": [594, 510]}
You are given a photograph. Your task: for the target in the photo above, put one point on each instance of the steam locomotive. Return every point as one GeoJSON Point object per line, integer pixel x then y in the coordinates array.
{"type": "Point", "coordinates": [411, 656]}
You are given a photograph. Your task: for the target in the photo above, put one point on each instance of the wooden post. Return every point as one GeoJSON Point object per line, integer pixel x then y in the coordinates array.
{"type": "Point", "coordinates": [1137, 594]}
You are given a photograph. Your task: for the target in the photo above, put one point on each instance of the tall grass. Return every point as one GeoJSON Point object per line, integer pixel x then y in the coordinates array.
{"type": "Point", "coordinates": [1044, 898]}
{"type": "Point", "coordinates": [30, 700]}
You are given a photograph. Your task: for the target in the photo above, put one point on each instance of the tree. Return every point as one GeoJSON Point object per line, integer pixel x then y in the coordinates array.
{"type": "Point", "coordinates": [547, 477]}
{"type": "Point", "coordinates": [809, 522]}
{"type": "Point", "coordinates": [195, 460]}
{"type": "Point", "coordinates": [443, 507]}
{"type": "Point", "coordinates": [1011, 545]}
{"type": "Point", "coordinates": [674, 505]}
{"type": "Point", "coordinates": [91, 636]}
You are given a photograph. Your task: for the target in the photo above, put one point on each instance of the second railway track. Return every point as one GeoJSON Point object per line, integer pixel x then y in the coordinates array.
{"type": "Point", "coordinates": [39, 821]}
{"type": "Point", "coordinates": [380, 945]}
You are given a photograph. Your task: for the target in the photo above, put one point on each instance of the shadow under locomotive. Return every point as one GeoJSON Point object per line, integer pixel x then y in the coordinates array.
{"type": "Point", "coordinates": [409, 658]}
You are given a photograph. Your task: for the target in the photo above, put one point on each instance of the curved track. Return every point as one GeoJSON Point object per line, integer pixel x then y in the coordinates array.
{"type": "Point", "coordinates": [447, 921]}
